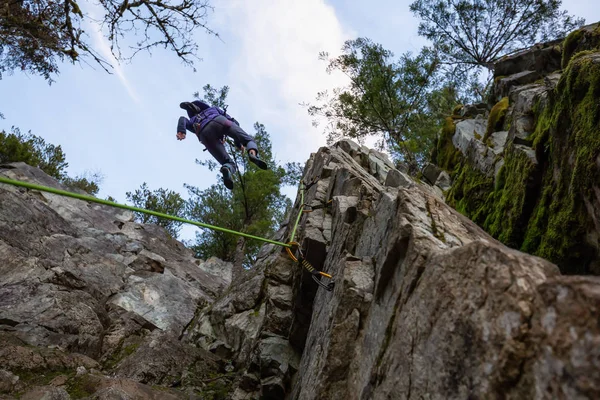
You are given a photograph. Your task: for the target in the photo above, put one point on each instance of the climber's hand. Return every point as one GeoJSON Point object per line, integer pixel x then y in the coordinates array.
{"type": "Point", "coordinates": [180, 135]}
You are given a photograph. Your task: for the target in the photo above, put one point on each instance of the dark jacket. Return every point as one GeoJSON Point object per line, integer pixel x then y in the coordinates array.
{"type": "Point", "coordinates": [203, 115]}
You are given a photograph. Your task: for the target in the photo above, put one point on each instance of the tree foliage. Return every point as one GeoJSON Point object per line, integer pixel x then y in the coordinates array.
{"type": "Point", "coordinates": [89, 182]}
{"type": "Point", "coordinates": [33, 150]}
{"type": "Point", "coordinates": [36, 35]}
{"type": "Point", "coordinates": [476, 33]}
{"type": "Point", "coordinates": [159, 200]}
{"type": "Point", "coordinates": [255, 205]}
{"type": "Point", "coordinates": [389, 99]}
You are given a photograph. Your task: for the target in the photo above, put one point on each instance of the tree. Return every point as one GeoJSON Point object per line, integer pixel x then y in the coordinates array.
{"type": "Point", "coordinates": [35, 35]}
{"type": "Point", "coordinates": [384, 98]}
{"type": "Point", "coordinates": [89, 182]}
{"type": "Point", "coordinates": [255, 205]}
{"type": "Point", "coordinates": [159, 200]}
{"type": "Point", "coordinates": [476, 33]}
{"type": "Point", "coordinates": [33, 150]}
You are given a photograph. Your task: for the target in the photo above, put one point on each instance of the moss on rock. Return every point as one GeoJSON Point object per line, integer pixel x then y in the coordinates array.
{"type": "Point", "coordinates": [513, 198]}
{"type": "Point", "coordinates": [540, 207]}
{"type": "Point", "coordinates": [569, 45]}
{"type": "Point", "coordinates": [496, 119]}
{"type": "Point", "coordinates": [445, 154]}
{"type": "Point", "coordinates": [577, 41]}
{"type": "Point", "coordinates": [567, 136]}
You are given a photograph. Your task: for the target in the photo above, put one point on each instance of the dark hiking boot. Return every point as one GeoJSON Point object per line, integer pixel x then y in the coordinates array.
{"type": "Point", "coordinates": [259, 163]}
{"type": "Point", "coordinates": [191, 109]}
{"type": "Point", "coordinates": [227, 177]}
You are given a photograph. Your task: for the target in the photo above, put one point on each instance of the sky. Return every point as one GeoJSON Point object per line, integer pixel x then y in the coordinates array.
{"type": "Point", "coordinates": [123, 125]}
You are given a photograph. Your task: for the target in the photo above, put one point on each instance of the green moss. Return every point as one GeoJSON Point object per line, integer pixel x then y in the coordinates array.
{"type": "Point", "coordinates": [578, 41]}
{"type": "Point", "coordinates": [477, 136]}
{"type": "Point", "coordinates": [569, 45]}
{"type": "Point", "coordinates": [31, 378]}
{"type": "Point", "coordinates": [456, 109]}
{"type": "Point", "coordinates": [582, 54]}
{"type": "Point", "coordinates": [567, 134]}
{"type": "Point", "coordinates": [123, 350]}
{"type": "Point", "coordinates": [469, 192]}
{"type": "Point", "coordinates": [446, 155]}
{"type": "Point", "coordinates": [82, 386]}
{"type": "Point", "coordinates": [496, 118]}
{"type": "Point", "coordinates": [540, 208]}
{"type": "Point", "coordinates": [512, 199]}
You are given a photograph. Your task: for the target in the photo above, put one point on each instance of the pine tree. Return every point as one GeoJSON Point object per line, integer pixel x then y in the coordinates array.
{"type": "Point", "coordinates": [255, 205]}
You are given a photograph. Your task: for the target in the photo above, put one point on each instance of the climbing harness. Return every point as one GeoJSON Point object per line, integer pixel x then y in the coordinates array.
{"type": "Point", "coordinates": [291, 247]}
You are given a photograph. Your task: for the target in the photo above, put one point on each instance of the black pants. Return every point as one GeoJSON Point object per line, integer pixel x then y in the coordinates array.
{"type": "Point", "coordinates": [214, 132]}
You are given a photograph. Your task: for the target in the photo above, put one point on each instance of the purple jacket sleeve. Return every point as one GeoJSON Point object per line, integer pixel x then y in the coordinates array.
{"type": "Point", "coordinates": [184, 124]}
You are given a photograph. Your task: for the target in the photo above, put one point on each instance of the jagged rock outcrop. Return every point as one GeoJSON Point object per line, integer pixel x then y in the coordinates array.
{"type": "Point", "coordinates": [425, 304]}
{"type": "Point", "coordinates": [83, 286]}
{"type": "Point", "coordinates": [527, 171]}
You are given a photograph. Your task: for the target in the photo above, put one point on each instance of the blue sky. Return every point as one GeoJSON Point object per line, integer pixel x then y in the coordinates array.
{"type": "Point", "coordinates": [123, 125]}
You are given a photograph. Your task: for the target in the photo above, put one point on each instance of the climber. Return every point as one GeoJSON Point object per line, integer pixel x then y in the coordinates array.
{"type": "Point", "coordinates": [211, 125]}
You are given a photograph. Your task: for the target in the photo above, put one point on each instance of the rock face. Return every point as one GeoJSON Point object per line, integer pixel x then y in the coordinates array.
{"type": "Point", "coordinates": [532, 180]}
{"type": "Point", "coordinates": [425, 303]}
{"type": "Point", "coordinates": [91, 284]}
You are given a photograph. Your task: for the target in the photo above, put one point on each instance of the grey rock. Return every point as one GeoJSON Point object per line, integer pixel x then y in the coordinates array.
{"type": "Point", "coordinates": [63, 259]}
{"type": "Point", "coordinates": [443, 181]}
{"type": "Point", "coordinates": [276, 354]}
{"type": "Point", "coordinates": [431, 173]}
{"type": "Point", "coordinates": [503, 86]}
{"type": "Point", "coordinates": [281, 295]}
{"type": "Point", "coordinates": [473, 110]}
{"type": "Point", "coordinates": [46, 393]}
{"type": "Point", "coordinates": [162, 360]}
{"type": "Point", "coordinates": [104, 388]}
{"type": "Point", "coordinates": [523, 100]}
{"type": "Point", "coordinates": [466, 132]}
{"type": "Point", "coordinates": [396, 179]}
{"type": "Point", "coordinates": [8, 380]}
{"type": "Point", "coordinates": [498, 141]}
{"type": "Point", "coordinates": [482, 156]}
{"type": "Point", "coordinates": [348, 146]}
{"type": "Point", "coordinates": [542, 58]}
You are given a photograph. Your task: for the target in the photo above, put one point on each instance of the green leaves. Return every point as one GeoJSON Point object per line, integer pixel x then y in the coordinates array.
{"type": "Point", "coordinates": [255, 205]}
{"type": "Point", "coordinates": [393, 100]}
{"type": "Point", "coordinates": [160, 200]}
{"type": "Point", "coordinates": [476, 33]}
{"type": "Point", "coordinates": [32, 150]}
{"type": "Point", "coordinates": [37, 35]}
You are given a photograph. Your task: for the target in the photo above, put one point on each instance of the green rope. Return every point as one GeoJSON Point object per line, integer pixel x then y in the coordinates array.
{"type": "Point", "coordinates": [300, 211]}
{"type": "Point", "coordinates": [141, 210]}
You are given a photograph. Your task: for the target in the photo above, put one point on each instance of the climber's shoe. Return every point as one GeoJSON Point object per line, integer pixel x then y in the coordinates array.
{"type": "Point", "coordinates": [227, 177]}
{"type": "Point", "coordinates": [259, 163]}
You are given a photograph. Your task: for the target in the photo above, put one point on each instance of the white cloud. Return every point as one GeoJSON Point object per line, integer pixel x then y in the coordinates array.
{"type": "Point", "coordinates": [277, 65]}
{"type": "Point", "coordinates": [103, 47]}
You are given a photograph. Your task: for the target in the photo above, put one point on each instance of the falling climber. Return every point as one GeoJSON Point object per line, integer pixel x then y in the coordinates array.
{"type": "Point", "coordinates": [211, 125]}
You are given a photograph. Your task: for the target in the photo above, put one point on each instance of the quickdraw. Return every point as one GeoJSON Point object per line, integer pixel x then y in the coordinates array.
{"type": "Point", "coordinates": [316, 274]}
